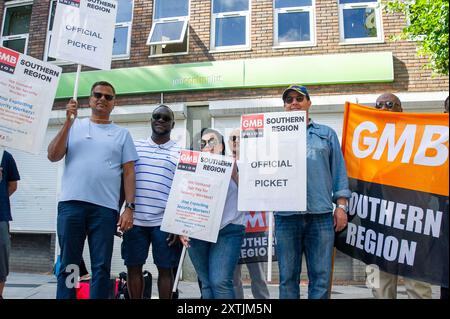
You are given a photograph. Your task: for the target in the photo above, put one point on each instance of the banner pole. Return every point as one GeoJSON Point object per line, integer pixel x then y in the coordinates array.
{"type": "Point", "coordinates": [77, 80]}
{"type": "Point", "coordinates": [180, 264]}
{"type": "Point", "coordinates": [270, 248]}
{"type": "Point", "coordinates": [75, 88]}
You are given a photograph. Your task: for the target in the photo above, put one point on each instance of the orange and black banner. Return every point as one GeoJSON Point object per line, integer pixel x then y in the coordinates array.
{"type": "Point", "coordinates": [397, 164]}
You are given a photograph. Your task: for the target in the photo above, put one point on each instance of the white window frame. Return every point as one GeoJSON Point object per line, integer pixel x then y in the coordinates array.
{"type": "Point", "coordinates": [184, 19]}
{"type": "Point", "coordinates": [117, 25]}
{"type": "Point", "coordinates": [8, 5]}
{"type": "Point", "coordinates": [231, 14]}
{"type": "Point", "coordinates": [361, 5]}
{"type": "Point", "coordinates": [312, 25]}
{"type": "Point", "coordinates": [154, 48]}
{"type": "Point", "coordinates": [128, 25]}
{"type": "Point", "coordinates": [47, 39]}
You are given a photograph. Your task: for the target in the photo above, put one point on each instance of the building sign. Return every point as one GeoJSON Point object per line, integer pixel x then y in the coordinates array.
{"type": "Point", "coordinates": [249, 73]}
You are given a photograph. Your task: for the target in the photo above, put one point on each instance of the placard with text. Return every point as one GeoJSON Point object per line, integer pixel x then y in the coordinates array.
{"type": "Point", "coordinates": [197, 197]}
{"type": "Point", "coordinates": [272, 166]}
{"type": "Point", "coordinates": [27, 90]}
{"type": "Point", "coordinates": [83, 32]}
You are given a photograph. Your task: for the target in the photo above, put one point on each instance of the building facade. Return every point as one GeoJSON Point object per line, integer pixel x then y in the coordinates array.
{"type": "Point", "coordinates": [211, 61]}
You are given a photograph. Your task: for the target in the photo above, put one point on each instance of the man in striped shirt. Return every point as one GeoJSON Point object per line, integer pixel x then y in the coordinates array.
{"type": "Point", "coordinates": [155, 169]}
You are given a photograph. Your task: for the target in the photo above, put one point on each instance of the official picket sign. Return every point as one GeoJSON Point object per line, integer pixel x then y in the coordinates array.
{"type": "Point", "coordinates": [255, 246]}
{"type": "Point", "coordinates": [197, 197]}
{"type": "Point", "coordinates": [397, 165]}
{"type": "Point", "coordinates": [27, 90]}
{"type": "Point", "coordinates": [83, 32]}
{"type": "Point", "coordinates": [272, 166]}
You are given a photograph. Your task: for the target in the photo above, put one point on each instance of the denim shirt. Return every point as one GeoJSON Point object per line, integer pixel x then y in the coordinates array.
{"type": "Point", "coordinates": [326, 172]}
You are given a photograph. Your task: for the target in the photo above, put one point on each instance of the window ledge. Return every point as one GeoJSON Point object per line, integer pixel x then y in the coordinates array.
{"type": "Point", "coordinates": [163, 55]}
{"type": "Point", "coordinates": [287, 46]}
{"type": "Point", "coordinates": [120, 58]}
{"type": "Point", "coordinates": [363, 42]}
{"type": "Point", "coordinates": [230, 50]}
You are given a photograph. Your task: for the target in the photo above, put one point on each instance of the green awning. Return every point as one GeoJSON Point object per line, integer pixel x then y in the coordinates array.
{"type": "Point", "coordinates": [248, 73]}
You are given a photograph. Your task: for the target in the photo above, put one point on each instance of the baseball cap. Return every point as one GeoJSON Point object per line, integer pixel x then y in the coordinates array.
{"type": "Point", "coordinates": [297, 88]}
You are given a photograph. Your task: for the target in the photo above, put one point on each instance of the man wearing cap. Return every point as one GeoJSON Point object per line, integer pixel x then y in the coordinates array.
{"type": "Point", "coordinates": [388, 282]}
{"type": "Point", "coordinates": [312, 232]}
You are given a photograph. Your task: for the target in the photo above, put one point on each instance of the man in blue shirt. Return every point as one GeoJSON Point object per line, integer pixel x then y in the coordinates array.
{"type": "Point", "coordinates": [96, 153]}
{"type": "Point", "coordinates": [9, 176]}
{"type": "Point", "coordinates": [311, 232]}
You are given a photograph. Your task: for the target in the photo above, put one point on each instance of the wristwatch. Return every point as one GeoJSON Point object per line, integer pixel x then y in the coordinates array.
{"type": "Point", "coordinates": [130, 205]}
{"type": "Point", "coordinates": [344, 207]}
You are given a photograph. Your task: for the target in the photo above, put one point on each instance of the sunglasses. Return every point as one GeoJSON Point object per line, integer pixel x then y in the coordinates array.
{"type": "Point", "coordinates": [234, 138]}
{"type": "Point", "coordinates": [298, 98]}
{"type": "Point", "coordinates": [388, 104]}
{"type": "Point", "coordinates": [164, 118]}
{"type": "Point", "coordinates": [211, 142]}
{"type": "Point", "coordinates": [98, 96]}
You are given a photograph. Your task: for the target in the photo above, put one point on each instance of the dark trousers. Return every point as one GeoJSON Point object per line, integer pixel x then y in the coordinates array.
{"type": "Point", "coordinates": [76, 221]}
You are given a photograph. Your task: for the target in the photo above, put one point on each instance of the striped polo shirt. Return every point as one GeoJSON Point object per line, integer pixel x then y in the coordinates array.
{"type": "Point", "coordinates": [155, 171]}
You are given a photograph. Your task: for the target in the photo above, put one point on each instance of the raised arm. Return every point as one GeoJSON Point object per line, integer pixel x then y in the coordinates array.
{"type": "Point", "coordinates": [58, 146]}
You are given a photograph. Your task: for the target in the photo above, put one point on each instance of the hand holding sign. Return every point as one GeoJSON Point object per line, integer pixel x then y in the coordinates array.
{"type": "Point", "coordinates": [185, 241]}
{"type": "Point", "coordinates": [71, 110]}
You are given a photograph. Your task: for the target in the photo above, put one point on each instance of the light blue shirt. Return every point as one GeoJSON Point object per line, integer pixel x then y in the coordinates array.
{"type": "Point", "coordinates": [326, 172]}
{"type": "Point", "coordinates": [94, 158]}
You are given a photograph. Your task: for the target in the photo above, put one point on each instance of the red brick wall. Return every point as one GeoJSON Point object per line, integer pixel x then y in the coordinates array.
{"type": "Point", "coordinates": [408, 68]}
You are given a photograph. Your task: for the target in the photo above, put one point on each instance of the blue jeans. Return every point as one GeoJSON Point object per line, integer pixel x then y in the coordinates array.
{"type": "Point", "coordinates": [76, 220]}
{"type": "Point", "coordinates": [313, 235]}
{"type": "Point", "coordinates": [215, 262]}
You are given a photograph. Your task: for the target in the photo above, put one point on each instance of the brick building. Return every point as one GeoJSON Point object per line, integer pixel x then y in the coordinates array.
{"type": "Point", "coordinates": [211, 61]}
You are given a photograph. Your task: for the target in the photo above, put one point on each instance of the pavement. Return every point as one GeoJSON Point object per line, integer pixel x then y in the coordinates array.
{"type": "Point", "coordinates": [43, 286]}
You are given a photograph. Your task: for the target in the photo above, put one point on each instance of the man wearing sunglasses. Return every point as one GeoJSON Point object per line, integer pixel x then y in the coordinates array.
{"type": "Point", "coordinates": [97, 152]}
{"type": "Point", "coordinates": [388, 282]}
{"type": "Point", "coordinates": [312, 232]}
{"type": "Point", "coordinates": [388, 102]}
{"type": "Point", "coordinates": [155, 170]}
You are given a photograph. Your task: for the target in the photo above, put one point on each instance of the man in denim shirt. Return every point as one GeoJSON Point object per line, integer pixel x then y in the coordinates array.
{"type": "Point", "coordinates": [311, 232]}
